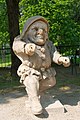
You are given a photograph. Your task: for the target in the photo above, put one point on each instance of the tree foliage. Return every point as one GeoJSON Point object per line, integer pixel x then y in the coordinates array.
{"type": "Point", "coordinates": [4, 35]}
{"type": "Point", "coordinates": [62, 15]}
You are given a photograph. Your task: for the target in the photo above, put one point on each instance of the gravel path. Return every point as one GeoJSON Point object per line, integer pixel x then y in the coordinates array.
{"type": "Point", "coordinates": [12, 106]}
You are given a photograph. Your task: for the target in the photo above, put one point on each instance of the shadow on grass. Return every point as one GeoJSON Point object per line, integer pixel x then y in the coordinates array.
{"type": "Point", "coordinates": [68, 95]}
{"type": "Point", "coordinates": [11, 90]}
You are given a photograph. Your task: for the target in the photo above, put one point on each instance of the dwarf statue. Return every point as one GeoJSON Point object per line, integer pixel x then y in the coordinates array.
{"type": "Point", "coordinates": [37, 53]}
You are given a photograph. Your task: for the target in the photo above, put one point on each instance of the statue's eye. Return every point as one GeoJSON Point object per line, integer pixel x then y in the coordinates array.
{"type": "Point", "coordinates": [35, 28]}
{"type": "Point", "coordinates": [44, 29]}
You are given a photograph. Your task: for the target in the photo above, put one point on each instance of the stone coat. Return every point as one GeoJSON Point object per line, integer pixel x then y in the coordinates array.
{"type": "Point", "coordinates": [39, 63]}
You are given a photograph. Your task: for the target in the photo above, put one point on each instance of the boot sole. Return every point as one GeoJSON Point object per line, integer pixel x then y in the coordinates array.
{"type": "Point", "coordinates": [37, 113]}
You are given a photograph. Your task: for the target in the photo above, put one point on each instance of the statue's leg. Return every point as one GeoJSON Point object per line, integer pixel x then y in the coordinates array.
{"type": "Point", "coordinates": [32, 87]}
{"type": "Point", "coordinates": [47, 83]}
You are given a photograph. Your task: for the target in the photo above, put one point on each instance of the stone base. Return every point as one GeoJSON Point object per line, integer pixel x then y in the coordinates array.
{"type": "Point", "coordinates": [51, 104]}
{"type": "Point", "coordinates": [52, 107]}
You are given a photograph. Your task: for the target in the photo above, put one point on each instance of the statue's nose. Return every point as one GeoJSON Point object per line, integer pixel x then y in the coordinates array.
{"type": "Point", "coordinates": [40, 31]}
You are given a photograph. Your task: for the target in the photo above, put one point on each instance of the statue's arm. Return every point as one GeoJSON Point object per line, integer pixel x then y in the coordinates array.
{"type": "Point", "coordinates": [57, 57]}
{"type": "Point", "coordinates": [18, 46]}
{"type": "Point", "coordinates": [53, 52]}
{"type": "Point", "coordinates": [23, 47]}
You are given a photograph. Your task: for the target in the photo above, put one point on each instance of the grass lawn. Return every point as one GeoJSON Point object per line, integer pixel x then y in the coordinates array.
{"type": "Point", "coordinates": [5, 61]}
{"type": "Point", "coordinates": [64, 79]}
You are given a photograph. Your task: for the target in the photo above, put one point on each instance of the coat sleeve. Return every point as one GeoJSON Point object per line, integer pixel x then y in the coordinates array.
{"type": "Point", "coordinates": [18, 45]}
{"type": "Point", "coordinates": [54, 53]}
{"type": "Point", "coordinates": [56, 57]}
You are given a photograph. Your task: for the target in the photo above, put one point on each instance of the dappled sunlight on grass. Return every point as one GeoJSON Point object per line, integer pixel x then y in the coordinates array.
{"type": "Point", "coordinates": [16, 87]}
{"type": "Point", "coordinates": [5, 64]}
{"type": "Point", "coordinates": [64, 88]}
{"type": "Point", "coordinates": [66, 82]}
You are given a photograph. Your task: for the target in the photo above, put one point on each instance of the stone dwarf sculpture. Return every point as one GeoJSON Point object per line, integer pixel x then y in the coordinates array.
{"type": "Point", "coordinates": [37, 53]}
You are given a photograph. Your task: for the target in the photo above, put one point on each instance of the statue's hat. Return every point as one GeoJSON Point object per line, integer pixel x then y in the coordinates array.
{"type": "Point", "coordinates": [30, 21]}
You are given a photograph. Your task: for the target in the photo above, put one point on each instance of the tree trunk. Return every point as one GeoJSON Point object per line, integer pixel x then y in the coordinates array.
{"type": "Point", "coordinates": [13, 21]}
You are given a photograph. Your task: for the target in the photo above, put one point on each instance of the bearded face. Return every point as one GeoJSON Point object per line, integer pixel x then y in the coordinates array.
{"type": "Point", "coordinates": [38, 33]}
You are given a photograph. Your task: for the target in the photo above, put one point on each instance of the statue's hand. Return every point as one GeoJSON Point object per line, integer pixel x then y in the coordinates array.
{"type": "Point", "coordinates": [65, 61]}
{"type": "Point", "coordinates": [30, 48]}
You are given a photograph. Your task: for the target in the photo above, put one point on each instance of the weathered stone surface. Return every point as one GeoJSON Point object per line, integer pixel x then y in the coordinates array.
{"type": "Point", "coordinates": [52, 104]}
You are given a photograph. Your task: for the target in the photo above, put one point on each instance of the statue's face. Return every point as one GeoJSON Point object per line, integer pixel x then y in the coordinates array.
{"type": "Point", "coordinates": [38, 32]}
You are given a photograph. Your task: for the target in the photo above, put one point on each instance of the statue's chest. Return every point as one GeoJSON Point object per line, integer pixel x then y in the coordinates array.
{"type": "Point", "coordinates": [41, 58]}
{"type": "Point", "coordinates": [43, 52]}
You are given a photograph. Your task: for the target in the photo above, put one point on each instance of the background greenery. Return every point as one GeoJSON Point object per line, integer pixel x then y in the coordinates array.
{"type": "Point", "coordinates": [62, 15]}
{"type": "Point", "coordinates": [4, 35]}
{"type": "Point", "coordinates": [64, 19]}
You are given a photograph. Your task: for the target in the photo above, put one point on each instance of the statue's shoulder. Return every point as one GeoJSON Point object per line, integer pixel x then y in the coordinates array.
{"type": "Point", "coordinates": [51, 46]}
{"type": "Point", "coordinates": [17, 38]}
{"type": "Point", "coordinates": [49, 43]}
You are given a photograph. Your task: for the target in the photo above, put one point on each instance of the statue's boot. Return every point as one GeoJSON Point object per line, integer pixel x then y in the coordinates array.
{"type": "Point", "coordinates": [32, 88]}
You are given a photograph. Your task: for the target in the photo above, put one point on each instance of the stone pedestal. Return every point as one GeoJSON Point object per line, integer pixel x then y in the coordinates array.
{"type": "Point", "coordinates": [51, 104]}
